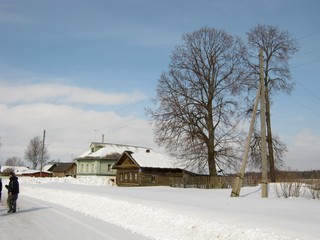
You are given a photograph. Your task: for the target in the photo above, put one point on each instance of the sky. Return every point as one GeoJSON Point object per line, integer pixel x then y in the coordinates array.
{"type": "Point", "coordinates": [158, 213]}
{"type": "Point", "coordinates": [81, 69]}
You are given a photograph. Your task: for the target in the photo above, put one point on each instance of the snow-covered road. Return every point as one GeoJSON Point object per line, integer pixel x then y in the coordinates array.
{"type": "Point", "coordinates": [38, 220]}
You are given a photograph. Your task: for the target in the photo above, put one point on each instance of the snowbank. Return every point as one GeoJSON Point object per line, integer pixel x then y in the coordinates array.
{"type": "Point", "coordinates": [166, 213]}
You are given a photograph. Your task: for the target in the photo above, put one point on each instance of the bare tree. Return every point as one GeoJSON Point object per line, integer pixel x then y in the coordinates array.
{"type": "Point", "coordinates": [280, 149]}
{"type": "Point", "coordinates": [196, 114]}
{"type": "Point", "coordinates": [278, 47]}
{"type": "Point", "coordinates": [14, 161]}
{"type": "Point", "coordinates": [33, 153]}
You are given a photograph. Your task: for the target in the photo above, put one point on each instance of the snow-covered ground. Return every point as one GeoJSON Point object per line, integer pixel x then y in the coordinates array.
{"type": "Point", "coordinates": [173, 213]}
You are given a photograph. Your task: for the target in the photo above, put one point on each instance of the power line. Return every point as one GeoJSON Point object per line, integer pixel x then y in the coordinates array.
{"type": "Point", "coordinates": [309, 35]}
{"type": "Point", "coordinates": [307, 63]}
{"type": "Point", "coordinates": [308, 52]}
{"type": "Point", "coordinates": [306, 107]}
{"type": "Point", "coordinates": [307, 89]}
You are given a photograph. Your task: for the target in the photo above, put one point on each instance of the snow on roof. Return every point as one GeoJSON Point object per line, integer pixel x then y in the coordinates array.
{"type": "Point", "coordinates": [30, 171]}
{"type": "Point", "coordinates": [47, 167]}
{"type": "Point", "coordinates": [152, 159]}
{"type": "Point", "coordinates": [20, 170]}
{"type": "Point", "coordinates": [16, 169]}
{"type": "Point", "coordinates": [110, 148]}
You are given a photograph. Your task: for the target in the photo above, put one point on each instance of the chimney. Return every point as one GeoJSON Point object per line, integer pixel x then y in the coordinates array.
{"type": "Point", "coordinates": [102, 137]}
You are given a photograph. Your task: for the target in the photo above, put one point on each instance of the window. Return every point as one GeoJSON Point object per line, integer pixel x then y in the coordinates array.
{"type": "Point", "coordinates": [109, 167]}
{"type": "Point", "coordinates": [81, 167]}
{"type": "Point", "coordinates": [92, 167]}
{"type": "Point", "coordinates": [153, 178]}
{"type": "Point", "coordinates": [87, 167]}
{"type": "Point", "coordinates": [136, 177]}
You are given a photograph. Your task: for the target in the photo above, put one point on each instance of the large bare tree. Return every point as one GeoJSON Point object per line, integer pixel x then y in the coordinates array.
{"type": "Point", "coordinates": [278, 47]}
{"type": "Point", "coordinates": [195, 117]}
{"type": "Point", "coordinates": [280, 149]}
{"type": "Point", "coordinates": [34, 154]}
{"type": "Point", "coordinates": [14, 161]}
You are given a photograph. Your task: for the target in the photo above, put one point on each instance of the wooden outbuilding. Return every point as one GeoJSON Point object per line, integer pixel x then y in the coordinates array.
{"type": "Point", "coordinates": [24, 171]}
{"type": "Point", "coordinates": [35, 173]}
{"type": "Point", "coordinates": [146, 168]}
{"type": "Point", "coordinates": [64, 169]}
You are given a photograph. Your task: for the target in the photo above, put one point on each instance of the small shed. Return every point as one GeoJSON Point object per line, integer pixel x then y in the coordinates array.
{"type": "Point", "coordinates": [24, 171]}
{"type": "Point", "coordinates": [35, 173]}
{"type": "Point", "coordinates": [64, 169]}
{"type": "Point", "coordinates": [146, 168]}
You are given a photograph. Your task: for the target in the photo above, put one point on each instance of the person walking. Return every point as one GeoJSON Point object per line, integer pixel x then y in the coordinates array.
{"type": "Point", "coordinates": [13, 192]}
{"type": "Point", "coordinates": [0, 189]}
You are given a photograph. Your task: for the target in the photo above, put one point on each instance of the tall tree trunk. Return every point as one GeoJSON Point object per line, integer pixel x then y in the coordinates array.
{"type": "Point", "coordinates": [269, 139]}
{"type": "Point", "coordinates": [211, 150]}
{"type": "Point", "coordinates": [212, 162]}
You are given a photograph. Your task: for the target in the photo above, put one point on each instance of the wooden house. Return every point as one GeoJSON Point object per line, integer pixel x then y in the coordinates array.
{"type": "Point", "coordinates": [99, 159]}
{"type": "Point", "coordinates": [35, 173]}
{"type": "Point", "coordinates": [64, 169]}
{"type": "Point", "coordinates": [48, 167]}
{"type": "Point", "coordinates": [146, 168]}
{"type": "Point", "coordinates": [23, 171]}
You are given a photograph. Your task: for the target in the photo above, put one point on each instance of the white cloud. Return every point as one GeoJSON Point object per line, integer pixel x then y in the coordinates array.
{"type": "Point", "coordinates": [69, 130]}
{"type": "Point", "coordinates": [307, 140]}
{"type": "Point", "coordinates": [28, 110]}
{"type": "Point", "coordinates": [304, 151]}
{"type": "Point", "coordinates": [60, 93]}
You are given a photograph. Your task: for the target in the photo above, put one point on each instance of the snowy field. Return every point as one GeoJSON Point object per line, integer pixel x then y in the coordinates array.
{"type": "Point", "coordinates": [166, 213]}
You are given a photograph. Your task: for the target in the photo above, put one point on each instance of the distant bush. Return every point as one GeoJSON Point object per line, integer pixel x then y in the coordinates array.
{"type": "Point", "coordinates": [289, 189]}
{"type": "Point", "coordinates": [6, 171]}
{"type": "Point", "coordinates": [314, 189]}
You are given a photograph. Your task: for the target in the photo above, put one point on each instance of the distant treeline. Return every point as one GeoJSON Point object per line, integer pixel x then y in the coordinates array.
{"type": "Point", "coordinates": [286, 175]}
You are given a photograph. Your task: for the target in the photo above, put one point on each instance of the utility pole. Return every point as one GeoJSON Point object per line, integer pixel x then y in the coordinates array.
{"type": "Point", "coordinates": [264, 165]}
{"type": "Point", "coordinates": [42, 151]}
{"type": "Point", "coordinates": [264, 178]}
{"type": "Point", "coordinates": [239, 179]}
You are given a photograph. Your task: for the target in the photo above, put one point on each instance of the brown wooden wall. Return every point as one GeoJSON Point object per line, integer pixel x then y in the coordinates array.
{"type": "Point", "coordinates": [147, 176]}
{"type": "Point", "coordinates": [43, 174]}
{"type": "Point", "coordinates": [70, 172]}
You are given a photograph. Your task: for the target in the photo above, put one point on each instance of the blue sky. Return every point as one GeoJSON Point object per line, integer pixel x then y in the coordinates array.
{"type": "Point", "coordinates": [81, 68]}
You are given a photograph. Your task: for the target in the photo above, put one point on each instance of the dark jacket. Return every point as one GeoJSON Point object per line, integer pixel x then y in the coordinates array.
{"type": "Point", "coordinates": [13, 185]}
{"type": "Point", "coordinates": [0, 186]}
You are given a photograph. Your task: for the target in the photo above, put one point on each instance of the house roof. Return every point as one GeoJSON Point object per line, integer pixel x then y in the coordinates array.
{"type": "Point", "coordinates": [48, 167]}
{"type": "Point", "coordinates": [147, 159]}
{"type": "Point", "coordinates": [16, 169]}
{"type": "Point", "coordinates": [61, 167]}
{"type": "Point", "coordinates": [106, 149]}
{"type": "Point", "coordinates": [31, 171]}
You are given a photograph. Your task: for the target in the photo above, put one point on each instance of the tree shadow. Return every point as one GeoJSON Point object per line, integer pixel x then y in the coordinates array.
{"type": "Point", "coordinates": [251, 193]}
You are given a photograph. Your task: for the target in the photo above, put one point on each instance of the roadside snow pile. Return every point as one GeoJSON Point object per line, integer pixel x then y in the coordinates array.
{"type": "Point", "coordinates": [91, 181]}
{"type": "Point", "coordinates": [155, 222]}
{"type": "Point", "coordinates": [157, 218]}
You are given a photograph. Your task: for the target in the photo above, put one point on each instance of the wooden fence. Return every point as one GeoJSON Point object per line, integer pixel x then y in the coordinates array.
{"type": "Point", "coordinates": [208, 182]}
